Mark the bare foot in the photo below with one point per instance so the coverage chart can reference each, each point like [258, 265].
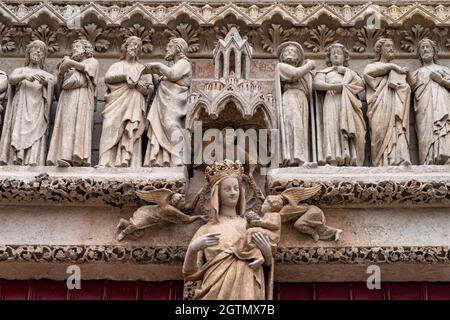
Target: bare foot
[338, 234]
[256, 263]
[121, 236]
[316, 237]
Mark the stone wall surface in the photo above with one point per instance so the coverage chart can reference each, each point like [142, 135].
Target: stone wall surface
[395, 217]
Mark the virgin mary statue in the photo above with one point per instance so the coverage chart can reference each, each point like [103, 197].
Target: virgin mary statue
[211, 256]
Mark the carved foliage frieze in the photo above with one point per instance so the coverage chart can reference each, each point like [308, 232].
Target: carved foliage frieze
[175, 254]
[45, 189]
[371, 193]
[266, 25]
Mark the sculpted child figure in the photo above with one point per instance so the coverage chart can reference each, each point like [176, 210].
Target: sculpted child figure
[269, 225]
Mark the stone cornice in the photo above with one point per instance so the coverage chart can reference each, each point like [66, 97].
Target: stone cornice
[201, 23]
[420, 186]
[84, 186]
[79, 254]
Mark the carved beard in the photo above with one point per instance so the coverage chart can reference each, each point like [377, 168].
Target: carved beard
[170, 56]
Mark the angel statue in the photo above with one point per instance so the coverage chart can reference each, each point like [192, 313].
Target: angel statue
[168, 208]
[310, 219]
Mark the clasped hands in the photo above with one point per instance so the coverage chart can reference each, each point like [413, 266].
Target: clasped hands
[36, 77]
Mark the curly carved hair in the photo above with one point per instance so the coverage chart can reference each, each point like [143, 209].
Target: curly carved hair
[433, 45]
[87, 46]
[378, 45]
[344, 51]
[35, 44]
[127, 42]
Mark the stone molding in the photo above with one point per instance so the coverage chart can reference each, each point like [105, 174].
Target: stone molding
[355, 187]
[85, 186]
[201, 24]
[175, 254]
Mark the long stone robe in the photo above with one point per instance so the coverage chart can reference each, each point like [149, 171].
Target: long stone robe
[340, 126]
[72, 135]
[388, 113]
[24, 134]
[3, 77]
[166, 119]
[432, 108]
[123, 119]
[223, 275]
[293, 102]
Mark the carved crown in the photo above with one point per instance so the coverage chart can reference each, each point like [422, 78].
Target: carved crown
[226, 168]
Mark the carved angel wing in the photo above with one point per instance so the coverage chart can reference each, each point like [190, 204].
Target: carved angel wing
[295, 195]
[160, 196]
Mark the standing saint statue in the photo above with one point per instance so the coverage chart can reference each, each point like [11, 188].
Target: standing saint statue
[431, 84]
[169, 107]
[71, 140]
[293, 86]
[388, 98]
[24, 134]
[341, 128]
[125, 107]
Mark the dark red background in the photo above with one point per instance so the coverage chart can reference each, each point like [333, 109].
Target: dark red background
[173, 290]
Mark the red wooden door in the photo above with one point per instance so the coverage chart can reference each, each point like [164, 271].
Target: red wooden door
[173, 290]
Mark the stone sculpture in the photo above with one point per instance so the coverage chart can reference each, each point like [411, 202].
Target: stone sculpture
[3, 86]
[24, 133]
[168, 111]
[388, 99]
[293, 86]
[431, 84]
[341, 127]
[213, 256]
[169, 208]
[310, 220]
[71, 140]
[129, 85]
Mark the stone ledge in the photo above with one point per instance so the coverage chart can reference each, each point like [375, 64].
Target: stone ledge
[421, 186]
[80, 186]
[78, 254]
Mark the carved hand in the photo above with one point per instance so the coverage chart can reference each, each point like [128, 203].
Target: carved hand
[436, 77]
[202, 242]
[153, 66]
[29, 77]
[311, 64]
[41, 79]
[131, 82]
[400, 69]
[263, 244]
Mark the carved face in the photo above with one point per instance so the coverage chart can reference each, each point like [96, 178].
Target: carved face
[337, 56]
[132, 49]
[171, 51]
[272, 204]
[37, 54]
[77, 51]
[426, 51]
[387, 50]
[229, 192]
[175, 200]
[291, 55]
